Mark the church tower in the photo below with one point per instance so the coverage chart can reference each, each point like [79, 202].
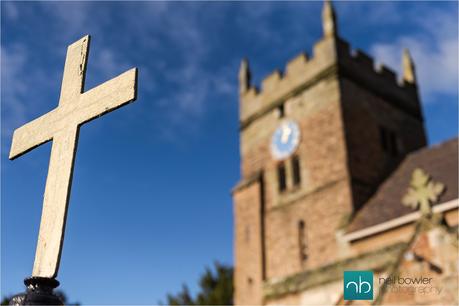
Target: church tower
[315, 142]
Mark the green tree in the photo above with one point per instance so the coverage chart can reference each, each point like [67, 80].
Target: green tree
[5, 300]
[215, 288]
[181, 298]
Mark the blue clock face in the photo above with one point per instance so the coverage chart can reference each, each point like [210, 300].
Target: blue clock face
[285, 140]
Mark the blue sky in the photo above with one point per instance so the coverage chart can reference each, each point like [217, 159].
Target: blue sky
[150, 204]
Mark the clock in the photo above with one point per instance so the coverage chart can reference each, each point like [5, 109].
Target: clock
[285, 139]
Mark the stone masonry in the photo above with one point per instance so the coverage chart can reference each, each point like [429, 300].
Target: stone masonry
[345, 108]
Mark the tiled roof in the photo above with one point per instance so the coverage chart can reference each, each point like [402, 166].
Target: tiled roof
[440, 162]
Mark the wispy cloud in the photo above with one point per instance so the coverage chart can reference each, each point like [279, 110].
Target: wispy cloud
[370, 13]
[13, 61]
[435, 52]
[71, 17]
[195, 89]
[175, 45]
[194, 85]
[25, 91]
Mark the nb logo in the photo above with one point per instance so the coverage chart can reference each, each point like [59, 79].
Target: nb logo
[358, 285]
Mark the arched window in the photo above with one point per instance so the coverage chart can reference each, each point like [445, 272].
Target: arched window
[296, 170]
[281, 111]
[281, 177]
[302, 242]
[390, 142]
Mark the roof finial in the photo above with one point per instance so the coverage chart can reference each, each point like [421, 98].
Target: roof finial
[244, 76]
[422, 192]
[409, 73]
[329, 20]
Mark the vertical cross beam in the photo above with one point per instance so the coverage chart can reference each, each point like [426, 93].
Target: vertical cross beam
[55, 203]
[61, 125]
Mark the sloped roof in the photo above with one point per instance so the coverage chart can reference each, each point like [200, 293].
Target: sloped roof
[440, 162]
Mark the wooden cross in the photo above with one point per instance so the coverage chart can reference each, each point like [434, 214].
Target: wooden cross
[62, 126]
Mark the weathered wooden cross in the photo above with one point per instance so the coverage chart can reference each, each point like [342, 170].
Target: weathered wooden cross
[62, 126]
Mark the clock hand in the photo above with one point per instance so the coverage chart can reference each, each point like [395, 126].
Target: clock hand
[286, 132]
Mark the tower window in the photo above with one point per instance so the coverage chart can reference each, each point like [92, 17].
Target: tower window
[296, 170]
[393, 143]
[302, 242]
[281, 111]
[389, 141]
[383, 138]
[281, 177]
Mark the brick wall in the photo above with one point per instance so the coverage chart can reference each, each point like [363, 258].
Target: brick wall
[339, 104]
[248, 275]
[365, 114]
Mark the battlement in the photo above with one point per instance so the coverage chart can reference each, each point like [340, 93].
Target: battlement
[299, 72]
[363, 59]
[271, 82]
[297, 64]
[387, 73]
[332, 56]
[379, 79]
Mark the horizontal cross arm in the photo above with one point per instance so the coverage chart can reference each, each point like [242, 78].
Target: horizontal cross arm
[93, 103]
[33, 134]
[108, 96]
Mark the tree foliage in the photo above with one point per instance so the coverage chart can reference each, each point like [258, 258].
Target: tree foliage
[215, 288]
[5, 300]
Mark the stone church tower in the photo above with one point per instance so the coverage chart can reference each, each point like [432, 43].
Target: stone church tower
[316, 142]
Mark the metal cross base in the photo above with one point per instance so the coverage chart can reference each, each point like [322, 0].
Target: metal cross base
[39, 292]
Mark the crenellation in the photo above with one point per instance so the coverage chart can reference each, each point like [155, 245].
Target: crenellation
[363, 59]
[252, 92]
[386, 73]
[300, 71]
[362, 63]
[327, 53]
[381, 80]
[250, 103]
[365, 64]
[325, 50]
[344, 49]
[271, 82]
[297, 64]
[331, 56]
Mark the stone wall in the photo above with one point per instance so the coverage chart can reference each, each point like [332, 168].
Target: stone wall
[339, 101]
[248, 253]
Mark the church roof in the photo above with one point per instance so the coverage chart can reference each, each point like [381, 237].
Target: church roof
[440, 162]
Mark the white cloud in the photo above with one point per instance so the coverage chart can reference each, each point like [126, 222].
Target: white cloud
[435, 52]
[164, 26]
[195, 87]
[107, 63]
[14, 87]
[71, 16]
[369, 12]
[24, 90]
[156, 26]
